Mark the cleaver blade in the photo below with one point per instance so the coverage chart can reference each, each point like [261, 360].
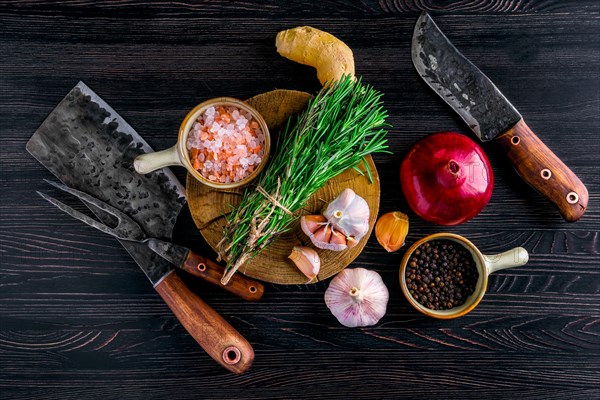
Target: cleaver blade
[89, 147]
[488, 113]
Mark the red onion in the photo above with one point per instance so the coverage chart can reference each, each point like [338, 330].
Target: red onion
[446, 178]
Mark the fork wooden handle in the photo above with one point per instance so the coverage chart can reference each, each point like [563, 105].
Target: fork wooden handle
[216, 336]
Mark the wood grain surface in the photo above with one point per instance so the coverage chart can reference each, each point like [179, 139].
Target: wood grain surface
[209, 206]
[78, 319]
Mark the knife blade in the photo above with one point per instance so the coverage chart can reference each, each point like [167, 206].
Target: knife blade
[88, 146]
[491, 116]
[206, 269]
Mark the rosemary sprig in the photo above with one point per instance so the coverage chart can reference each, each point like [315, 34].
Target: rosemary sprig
[342, 124]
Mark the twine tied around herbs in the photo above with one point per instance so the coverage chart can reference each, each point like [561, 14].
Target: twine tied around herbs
[272, 199]
[256, 230]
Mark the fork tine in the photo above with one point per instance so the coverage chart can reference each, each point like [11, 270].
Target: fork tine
[129, 229]
[82, 217]
[123, 218]
[90, 200]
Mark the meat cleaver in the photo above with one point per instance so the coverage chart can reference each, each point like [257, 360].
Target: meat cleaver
[491, 116]
[89, 147]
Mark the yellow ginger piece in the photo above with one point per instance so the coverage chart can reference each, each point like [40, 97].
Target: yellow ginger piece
[309, 46]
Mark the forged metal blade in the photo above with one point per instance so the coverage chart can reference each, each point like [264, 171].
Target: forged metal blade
[171, 252]
[460, 83]
[89, 147]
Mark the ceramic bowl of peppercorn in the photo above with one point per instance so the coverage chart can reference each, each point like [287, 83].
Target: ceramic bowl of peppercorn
[445, 275]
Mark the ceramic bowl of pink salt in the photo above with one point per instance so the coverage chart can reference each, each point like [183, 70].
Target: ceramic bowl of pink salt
[223, 142]
[227, 142]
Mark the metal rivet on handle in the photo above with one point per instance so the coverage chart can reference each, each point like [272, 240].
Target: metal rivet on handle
[232, 355]
[201, 267]
[546, 173]
[572, 198]
[515, 140]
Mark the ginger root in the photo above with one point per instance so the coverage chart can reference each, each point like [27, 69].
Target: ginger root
[309, 46]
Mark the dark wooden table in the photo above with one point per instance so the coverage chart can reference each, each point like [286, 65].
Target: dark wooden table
[78, 318]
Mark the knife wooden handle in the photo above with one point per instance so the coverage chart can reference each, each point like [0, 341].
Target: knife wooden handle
[216, 336]
[212, 272]
[542, 169]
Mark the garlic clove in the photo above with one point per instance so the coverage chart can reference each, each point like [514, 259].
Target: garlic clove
[357, 297]
[307, 260]
[323, 234]
[310, 223]
[349, 213]
[351, 242]
[337, 242]
[344, 199]
[324, 237]
[391, 230]
[337, 238]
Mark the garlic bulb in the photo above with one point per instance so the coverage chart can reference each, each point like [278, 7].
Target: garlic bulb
[307, 260]
[349, 213]
[344, 222]
[357, 297]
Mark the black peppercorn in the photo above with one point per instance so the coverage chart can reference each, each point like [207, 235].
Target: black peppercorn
[443, 273]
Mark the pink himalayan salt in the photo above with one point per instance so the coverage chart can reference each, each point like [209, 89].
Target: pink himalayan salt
[225, 144]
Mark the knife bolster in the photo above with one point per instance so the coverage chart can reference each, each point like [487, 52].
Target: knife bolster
[544, 171]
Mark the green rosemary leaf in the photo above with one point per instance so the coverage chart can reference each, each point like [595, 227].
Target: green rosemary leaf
[359, 171]
[342, 124]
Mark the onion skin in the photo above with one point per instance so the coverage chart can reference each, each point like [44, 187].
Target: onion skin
[446, 178]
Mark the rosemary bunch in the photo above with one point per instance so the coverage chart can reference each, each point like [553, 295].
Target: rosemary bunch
[342, 124]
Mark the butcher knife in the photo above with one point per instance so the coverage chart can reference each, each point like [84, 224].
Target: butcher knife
[492, 117]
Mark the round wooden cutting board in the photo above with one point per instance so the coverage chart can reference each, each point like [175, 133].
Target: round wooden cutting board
[208, 206]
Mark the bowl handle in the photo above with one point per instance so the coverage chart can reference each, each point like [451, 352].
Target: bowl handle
[508, 259]
[149, 162]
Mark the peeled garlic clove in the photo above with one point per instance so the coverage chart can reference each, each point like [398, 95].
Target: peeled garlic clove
[307, 260]
[310, 223]
[357, 297]
[391, 230]
[349, 213]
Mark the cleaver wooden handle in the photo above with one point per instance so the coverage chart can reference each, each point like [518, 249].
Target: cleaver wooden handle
[212, 272]
[216, 336]
[544, 171]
